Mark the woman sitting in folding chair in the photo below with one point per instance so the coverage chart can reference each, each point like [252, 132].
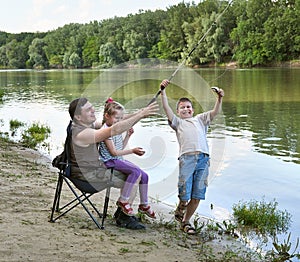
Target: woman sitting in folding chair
[84, 156]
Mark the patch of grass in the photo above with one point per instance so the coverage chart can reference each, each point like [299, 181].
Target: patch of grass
[124, 250]
[283, 251]
[148, 243]
[122, 242]
[261, 216]
[4, 136]
[203, 243]
[27, 222]
[1, 95]
[14, 124]
[34, 135]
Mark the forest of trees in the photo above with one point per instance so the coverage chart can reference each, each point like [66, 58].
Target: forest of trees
[250, 32]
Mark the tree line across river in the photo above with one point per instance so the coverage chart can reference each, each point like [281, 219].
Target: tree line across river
[249, 32]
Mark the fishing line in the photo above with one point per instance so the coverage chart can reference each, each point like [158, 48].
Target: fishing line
[220, 75]
[189, 54]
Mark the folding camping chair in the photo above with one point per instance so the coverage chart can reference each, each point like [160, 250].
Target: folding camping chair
[82, 190]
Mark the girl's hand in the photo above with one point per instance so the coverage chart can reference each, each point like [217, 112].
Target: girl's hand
[138, 151]
[130, 131]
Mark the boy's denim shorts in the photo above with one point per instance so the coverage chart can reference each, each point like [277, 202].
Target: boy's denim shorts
[193, 174]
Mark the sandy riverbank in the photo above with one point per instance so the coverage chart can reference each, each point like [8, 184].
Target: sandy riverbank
[27, 186]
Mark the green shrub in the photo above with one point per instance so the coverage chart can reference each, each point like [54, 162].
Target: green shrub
[1, 95]
[263, 217]
[283, 251]
[14, 125]
[35, 135]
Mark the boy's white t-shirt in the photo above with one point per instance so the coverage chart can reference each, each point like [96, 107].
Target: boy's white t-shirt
[191, 133]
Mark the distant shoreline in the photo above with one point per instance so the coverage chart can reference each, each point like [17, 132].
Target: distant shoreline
[231, 65]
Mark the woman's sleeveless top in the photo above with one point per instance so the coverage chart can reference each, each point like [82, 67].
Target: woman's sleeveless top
[84, 159]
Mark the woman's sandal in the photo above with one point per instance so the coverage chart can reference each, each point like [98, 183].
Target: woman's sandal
[147, 211]
[187, 228]
[126, 208]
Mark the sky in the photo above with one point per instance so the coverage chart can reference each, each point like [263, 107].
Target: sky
[18, 16]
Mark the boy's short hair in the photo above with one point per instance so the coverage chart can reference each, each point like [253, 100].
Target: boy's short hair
[183, 99]
[76, 105]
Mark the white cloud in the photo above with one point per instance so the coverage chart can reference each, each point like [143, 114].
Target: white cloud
[39, 6]
[43, 15]
[84, 9]
[61, 9]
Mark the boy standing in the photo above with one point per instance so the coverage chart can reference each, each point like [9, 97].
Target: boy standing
[191, 132]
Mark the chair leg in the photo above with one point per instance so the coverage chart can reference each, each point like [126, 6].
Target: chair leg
[61, 180]
[55, 206]
[78, 200]
[83, 205]
[71, 205]
[106, 199]
[87, 197]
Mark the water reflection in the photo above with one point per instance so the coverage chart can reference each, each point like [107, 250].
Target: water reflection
[263, 101]
[275, 130]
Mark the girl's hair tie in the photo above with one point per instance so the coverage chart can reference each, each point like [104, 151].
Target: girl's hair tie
[109, 100]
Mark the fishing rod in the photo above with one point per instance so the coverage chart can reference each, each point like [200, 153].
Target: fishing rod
[189, 54]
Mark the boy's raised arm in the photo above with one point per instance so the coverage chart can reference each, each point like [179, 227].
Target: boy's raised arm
[169, 112]
[218, 104]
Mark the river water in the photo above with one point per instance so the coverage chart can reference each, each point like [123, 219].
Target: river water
[254, 141]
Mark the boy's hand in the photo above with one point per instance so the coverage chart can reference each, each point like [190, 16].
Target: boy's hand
[164, 84]
[221, 93]
[218, 91]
